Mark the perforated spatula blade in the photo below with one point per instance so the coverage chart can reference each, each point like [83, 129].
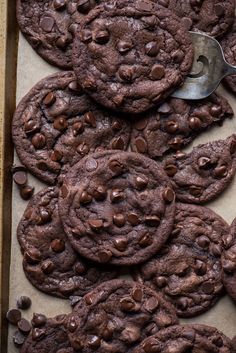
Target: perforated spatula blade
[209, 68]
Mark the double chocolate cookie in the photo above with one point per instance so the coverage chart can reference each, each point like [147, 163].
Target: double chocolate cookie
[176, 123]
[189, 338]
[229, 47]
[213, 17]
[117, 316]
[49, 26]
[188, 268]
[130, 55]
[48, 335]
[117, 207]
[56, 124]
[50, 263]
[229, 261]
[205, 172]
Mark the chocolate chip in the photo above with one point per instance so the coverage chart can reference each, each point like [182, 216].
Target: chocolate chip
[80, 268]
[218, 341]
[216, 249]
[116, 167]
[91, 164]
[160, 281]
[89, 118]
[171, 127]
[195, 191]
[47, 23]
[117, 195]
[30, 127]
[77, 128]
[62, 42]
[221, 172]
[24, 326]
[71, 324]
[38, 320]
[124, 46]
[118, 144]
[204, 162]
[18, 338]
[83, 6]
[143, 6]
[140, 124]
[137, 294]
[121, 243]
[100, 193]
[32, 256]
[60, 123]
[141, 145]
[85, 198]
[20, 177]
[168, 195]
[119, 220]
[152, 49]
[215, 110]
[118, 99]
[170, 170]
[13, 316]
[175, 143]
[101, 37]
[57, 245]
[47, 266]
[145, 240]
[189, 334]
[56, 156]
[133, 219]
[86, 36]
[151, 346]
[228, 266]
[200, 267]
[157, 72]
[42, 165]
[203, 241]
[90, 84]
[23, 303]
[116, 125]
[187, 22]
[38, 141]
[127, 304]
[59, 4]
[130, 334]
[152, 221]
[38, 333]
[177, 55]
[26, 192]
[96, 224]
[141, 182]
[49, 99]
[89, 299]
[151, 304]
[126, 73]
[83, 149]
[75, 87]
[219, 9]
[195, 123]
[94, 342]
[207, 287]
[104, 255]
[44, 216]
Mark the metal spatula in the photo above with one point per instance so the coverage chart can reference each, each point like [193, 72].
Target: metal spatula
[209, 68]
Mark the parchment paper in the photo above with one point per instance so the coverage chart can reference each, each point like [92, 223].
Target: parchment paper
[31, 68]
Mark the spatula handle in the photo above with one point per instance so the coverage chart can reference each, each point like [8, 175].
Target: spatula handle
[230, 69]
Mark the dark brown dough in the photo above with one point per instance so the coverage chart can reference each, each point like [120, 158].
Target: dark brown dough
[130, 55]
[176, 123]
[188, 269]
[117, 207]
[205, 172]
[117, 316]
[56, 124]
[50, 263]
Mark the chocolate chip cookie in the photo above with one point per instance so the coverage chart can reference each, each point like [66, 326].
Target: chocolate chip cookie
[130, 55]
[205, 172]
[116, 316]
[117, 207]
[176, 123]
[228, 43]
[50, 263]
[48, 335]
[49, 26]
[187, 338]
[213, 17]
[229, 261]
[188, 268]
[56, 124]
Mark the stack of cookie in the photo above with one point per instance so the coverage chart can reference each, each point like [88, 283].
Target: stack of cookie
[123, 196]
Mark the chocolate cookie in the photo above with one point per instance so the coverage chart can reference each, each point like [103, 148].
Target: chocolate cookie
[56, 124]
[50, 263]
[213, 17]
[51, 336]
[116, 316]
[49, 26]
[130, 55]
[188, 269]
[229, 261]
[187, 338]
[117, 207]
[176, 123]
[205, 172]
[228, 43]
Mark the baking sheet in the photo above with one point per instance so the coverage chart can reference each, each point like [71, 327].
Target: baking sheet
[31, 68]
